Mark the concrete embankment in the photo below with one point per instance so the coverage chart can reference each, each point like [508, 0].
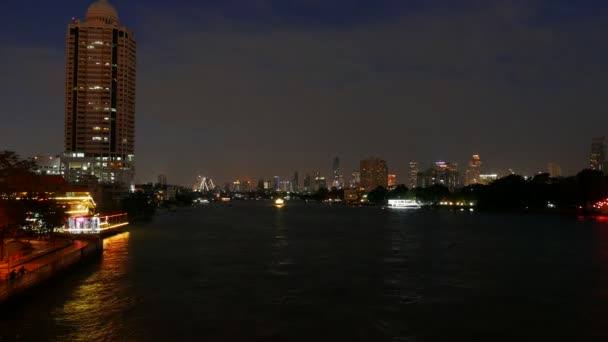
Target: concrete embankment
[43, 268]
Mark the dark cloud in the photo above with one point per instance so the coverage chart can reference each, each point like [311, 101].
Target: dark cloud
[252, 89]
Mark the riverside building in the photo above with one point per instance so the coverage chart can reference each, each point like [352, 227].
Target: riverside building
[374, 173]
[100, 100]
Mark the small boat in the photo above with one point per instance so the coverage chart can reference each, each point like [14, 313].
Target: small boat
[403, 204]
[279, 202]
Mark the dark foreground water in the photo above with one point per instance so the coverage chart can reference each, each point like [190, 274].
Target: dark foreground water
[252, 272]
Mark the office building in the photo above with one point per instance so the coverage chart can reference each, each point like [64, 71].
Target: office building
[374, 173]
[597, 156]
[100, 99]
[413, 175]
[338, 178]
[441, 173]
[392, 180]
[355, 180]
[48, 165]
[472, 173]
[554, 170]
[307, 183]
[295, 182]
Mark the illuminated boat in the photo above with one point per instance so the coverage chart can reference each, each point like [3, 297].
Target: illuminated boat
[96, 224]
[279, 202]
[403, 204]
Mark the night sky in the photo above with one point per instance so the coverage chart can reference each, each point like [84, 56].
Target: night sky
[256, 88]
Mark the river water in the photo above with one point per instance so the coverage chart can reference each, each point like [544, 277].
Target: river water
[307, 272]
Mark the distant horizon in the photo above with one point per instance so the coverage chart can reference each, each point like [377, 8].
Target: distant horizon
[253, 88]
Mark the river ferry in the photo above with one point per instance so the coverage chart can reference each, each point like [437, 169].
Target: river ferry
[403, 204]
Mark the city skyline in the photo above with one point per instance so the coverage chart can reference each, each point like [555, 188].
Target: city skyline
[330, 74]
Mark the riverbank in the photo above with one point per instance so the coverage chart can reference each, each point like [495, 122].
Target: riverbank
[32, 272]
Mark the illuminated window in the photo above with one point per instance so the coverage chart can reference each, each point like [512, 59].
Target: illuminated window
[97, 138]
[97, 128]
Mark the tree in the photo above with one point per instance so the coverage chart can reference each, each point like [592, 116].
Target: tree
[12, 211]
[321, 194]
[510, 192]
[592, 186]
[378, 195]
[336, 194]
[46, 215]
[432, 194]
[11, 164]
[399, 192]
[138, 205]
[13, 216]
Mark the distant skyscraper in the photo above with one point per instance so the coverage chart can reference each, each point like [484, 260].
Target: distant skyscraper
[307, 183]
[413, 175]
[598, 153]
[554, 170]
[276, 183]
[392, 180]
[100, 98]
[338, 179]
[442, 173]
[295, 183]
[355, 181]
[320, 183]
[374, 173]
[473, 171]
[162, 180]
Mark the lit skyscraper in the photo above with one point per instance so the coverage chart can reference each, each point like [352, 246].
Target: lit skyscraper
[441, 173]
[355, 181]
[374, 173]
[295, 183]
[100, 98]
[307, 183]
[474, 170]
[338, 179]
[392, 180]
[413, 176]
[554, 170]
[597, 155]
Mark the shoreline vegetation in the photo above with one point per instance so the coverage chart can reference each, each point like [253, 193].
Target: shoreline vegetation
[584, 194]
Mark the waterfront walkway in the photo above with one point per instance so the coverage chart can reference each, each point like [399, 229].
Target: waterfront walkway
[41, 258]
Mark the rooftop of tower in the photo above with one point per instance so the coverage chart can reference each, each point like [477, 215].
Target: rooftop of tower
[102, 10]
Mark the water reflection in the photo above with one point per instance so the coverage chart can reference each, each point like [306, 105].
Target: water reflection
[90, 313]
[280, 244]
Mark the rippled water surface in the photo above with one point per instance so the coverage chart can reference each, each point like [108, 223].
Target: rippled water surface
[252, 272]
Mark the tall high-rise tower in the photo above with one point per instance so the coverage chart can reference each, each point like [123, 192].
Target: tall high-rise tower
[597, 154]
[413, 175]
[473, 172]
[374, 173]
[100, 98]
[338, 179]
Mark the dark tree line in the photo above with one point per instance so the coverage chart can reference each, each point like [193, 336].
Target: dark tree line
[515, 192]
[24, 214]
[512, 192]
